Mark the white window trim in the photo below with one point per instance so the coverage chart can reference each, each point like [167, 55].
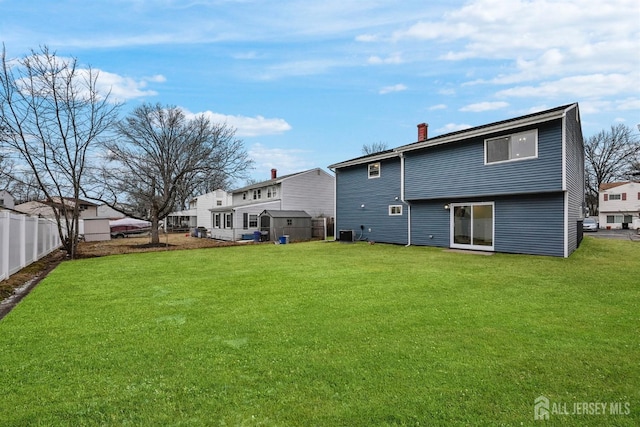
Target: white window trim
[511, 136]
[369, 170]
[470, 246]
[391, 213]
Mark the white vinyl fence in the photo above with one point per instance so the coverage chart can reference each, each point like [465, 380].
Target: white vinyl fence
[24, 240]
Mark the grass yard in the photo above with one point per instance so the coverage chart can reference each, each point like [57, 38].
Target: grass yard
[327, 334]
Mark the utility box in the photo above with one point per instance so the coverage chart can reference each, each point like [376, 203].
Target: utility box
[345, 236]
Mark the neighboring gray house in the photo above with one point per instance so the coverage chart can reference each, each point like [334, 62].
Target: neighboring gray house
[511, 186]
[312, 191]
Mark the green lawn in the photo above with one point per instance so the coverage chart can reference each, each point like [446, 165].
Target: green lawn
[326, 334]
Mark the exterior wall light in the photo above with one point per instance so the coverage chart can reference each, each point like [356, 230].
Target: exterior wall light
[446, 207]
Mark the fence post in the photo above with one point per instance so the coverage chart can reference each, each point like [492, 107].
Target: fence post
[22, 229]
[35, 239]
[5, 221]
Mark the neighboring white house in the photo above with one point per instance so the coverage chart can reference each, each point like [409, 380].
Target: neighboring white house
[311, 191]
[6, 200]
[199, 214]
[45, 209]
[106, 211]
[619, 205]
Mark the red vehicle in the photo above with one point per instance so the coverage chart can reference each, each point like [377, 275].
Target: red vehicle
[128, 226]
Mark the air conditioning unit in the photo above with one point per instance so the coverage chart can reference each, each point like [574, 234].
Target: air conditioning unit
[346, 236]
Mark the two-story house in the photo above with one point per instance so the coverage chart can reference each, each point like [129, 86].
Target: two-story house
[199, 212]
[512, 186]
[619, 205]
[311, 191]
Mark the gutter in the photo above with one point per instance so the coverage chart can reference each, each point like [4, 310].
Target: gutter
[402, 187]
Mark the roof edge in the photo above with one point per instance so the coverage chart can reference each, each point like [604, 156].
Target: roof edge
[504, 125]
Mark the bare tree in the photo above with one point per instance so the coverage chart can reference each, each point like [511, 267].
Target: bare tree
[609, 156]
[373, 148]
[161, 154]
[51, 115]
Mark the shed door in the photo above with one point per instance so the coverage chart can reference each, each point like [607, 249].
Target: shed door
[264, 222]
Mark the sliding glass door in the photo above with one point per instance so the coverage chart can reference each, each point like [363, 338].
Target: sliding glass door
[472, 226]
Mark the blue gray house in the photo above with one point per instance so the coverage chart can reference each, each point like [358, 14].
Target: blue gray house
[512, 186]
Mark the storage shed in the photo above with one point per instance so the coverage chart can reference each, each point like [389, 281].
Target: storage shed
[295, 224]
[95, 229]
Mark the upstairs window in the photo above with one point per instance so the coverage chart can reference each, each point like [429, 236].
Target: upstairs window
[374, 170]
[513, 147]
[615, 197]
[218, 202]
[244, 196]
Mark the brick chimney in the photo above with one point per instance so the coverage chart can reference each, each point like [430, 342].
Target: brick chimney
[274, 173]
[422, 132]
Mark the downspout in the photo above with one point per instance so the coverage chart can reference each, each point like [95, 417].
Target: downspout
[335, 204]
[404, 201]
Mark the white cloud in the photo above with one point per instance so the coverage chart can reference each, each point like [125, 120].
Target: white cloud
[438, 107]
[124, 88]
[119, 88]
[394, 88]
[248, 126]
[298, 68]
[452, 127]
[577, 87]
[582, 49]
[367, 38]
[485, 106]
[395, 58]
[284, 160]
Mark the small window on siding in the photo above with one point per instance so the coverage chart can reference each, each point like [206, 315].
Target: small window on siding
[289, 221]
[374, 170]
[615, 197]
[513, 147]
[218, 202]
[395, 209]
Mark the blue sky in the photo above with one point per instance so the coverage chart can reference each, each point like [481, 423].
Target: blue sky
[306, 84]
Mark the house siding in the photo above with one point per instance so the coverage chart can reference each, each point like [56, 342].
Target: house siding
[430, 223]
[529, 224]
[312, 192]
[458, 169]
[574, 178]
[355, 189]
